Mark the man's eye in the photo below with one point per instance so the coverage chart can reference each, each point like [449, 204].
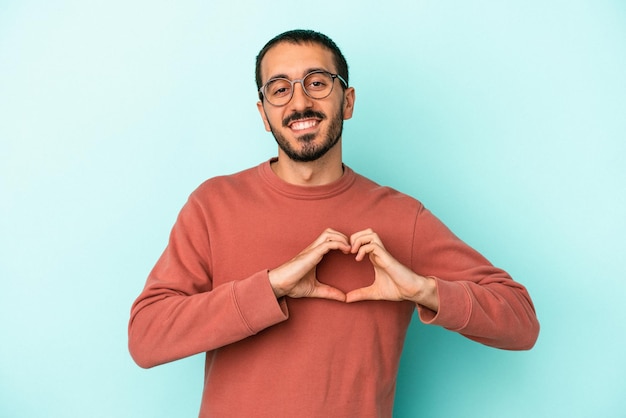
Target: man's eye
[317, 82]
[281, 91]
[279, 88]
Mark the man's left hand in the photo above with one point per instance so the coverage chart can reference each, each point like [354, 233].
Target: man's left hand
[392, 280]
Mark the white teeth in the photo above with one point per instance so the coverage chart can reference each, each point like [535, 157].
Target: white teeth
[303, 125]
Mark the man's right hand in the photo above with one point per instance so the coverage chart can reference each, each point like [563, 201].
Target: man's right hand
[297, 278]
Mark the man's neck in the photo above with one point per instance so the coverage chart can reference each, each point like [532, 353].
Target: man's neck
[325, 170]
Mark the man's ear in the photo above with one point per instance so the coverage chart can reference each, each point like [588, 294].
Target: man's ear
[259, 106]
[348, 103]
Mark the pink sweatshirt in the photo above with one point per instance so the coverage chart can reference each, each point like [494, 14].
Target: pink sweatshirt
[209, 292]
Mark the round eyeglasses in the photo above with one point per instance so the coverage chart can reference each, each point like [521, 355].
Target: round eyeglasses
[316, 84]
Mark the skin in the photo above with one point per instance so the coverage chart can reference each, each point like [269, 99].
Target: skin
[293, 62]
[297, 277]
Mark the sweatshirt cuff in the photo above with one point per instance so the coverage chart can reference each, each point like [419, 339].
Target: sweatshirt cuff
[455, 306]
[256, 303]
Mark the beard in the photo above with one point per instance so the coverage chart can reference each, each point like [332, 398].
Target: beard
[308, 150]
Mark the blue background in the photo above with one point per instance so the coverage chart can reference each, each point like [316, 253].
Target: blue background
[507, 119]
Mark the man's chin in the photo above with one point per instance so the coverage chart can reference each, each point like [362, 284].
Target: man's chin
[306, 154]
[306, 147]
[306, 138]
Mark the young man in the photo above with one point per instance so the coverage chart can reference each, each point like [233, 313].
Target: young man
[299, 277]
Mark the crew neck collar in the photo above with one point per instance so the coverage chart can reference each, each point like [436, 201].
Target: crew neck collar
[305, 192]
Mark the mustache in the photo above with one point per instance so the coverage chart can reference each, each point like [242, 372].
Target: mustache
[307, 114]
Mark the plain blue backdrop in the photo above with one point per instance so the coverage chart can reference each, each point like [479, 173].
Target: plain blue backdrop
[507, 119]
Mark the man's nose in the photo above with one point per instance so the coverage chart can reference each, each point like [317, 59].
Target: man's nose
[300, 100]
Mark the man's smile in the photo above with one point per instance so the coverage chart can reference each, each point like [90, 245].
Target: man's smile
[301, 122]
[303, 125]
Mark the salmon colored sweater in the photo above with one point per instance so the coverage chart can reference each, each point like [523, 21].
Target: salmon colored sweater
[209, 292]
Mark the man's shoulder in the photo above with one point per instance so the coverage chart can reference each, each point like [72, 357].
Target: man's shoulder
[385, 194]
[375, 187]
[234, 181]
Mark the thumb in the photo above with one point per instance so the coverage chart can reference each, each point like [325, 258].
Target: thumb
[324, 291]
[363, 293]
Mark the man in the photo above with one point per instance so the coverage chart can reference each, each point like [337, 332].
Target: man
[299, 277]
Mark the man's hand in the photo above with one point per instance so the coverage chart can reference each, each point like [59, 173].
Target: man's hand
[297, 278]
[392, 280]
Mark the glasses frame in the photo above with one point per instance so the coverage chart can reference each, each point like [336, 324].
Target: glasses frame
[262, 94]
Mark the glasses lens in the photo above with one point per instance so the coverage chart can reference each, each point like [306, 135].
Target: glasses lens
[278, 91]
[318, 85]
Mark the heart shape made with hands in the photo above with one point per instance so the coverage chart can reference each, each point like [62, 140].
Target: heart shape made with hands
[382, 278]
[334, 267]
[343, 272]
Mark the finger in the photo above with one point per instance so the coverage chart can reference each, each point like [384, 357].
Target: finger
[364, 237]
[335, 232]
[309, 258]
[378, 256]
[360, 234]
[373, 249]
[330, 235]
[364, 293]
[362, 251]
[329, 245]
[325, 291]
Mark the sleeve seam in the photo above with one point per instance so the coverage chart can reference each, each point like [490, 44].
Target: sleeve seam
[468, 313]
[239, 311]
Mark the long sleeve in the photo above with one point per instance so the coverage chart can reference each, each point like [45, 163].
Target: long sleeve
[476, 299]
[180, 312]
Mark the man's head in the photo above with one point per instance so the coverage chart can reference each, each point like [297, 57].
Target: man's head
[306, 111]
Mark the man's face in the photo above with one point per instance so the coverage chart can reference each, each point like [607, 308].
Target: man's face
[305, 128]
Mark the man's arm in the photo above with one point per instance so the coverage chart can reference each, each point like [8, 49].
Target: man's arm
[180, 313]
[462, 291]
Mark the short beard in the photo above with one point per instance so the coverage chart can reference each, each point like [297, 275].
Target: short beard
[310, 151]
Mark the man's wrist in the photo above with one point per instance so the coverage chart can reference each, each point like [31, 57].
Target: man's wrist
[428, 295]
[279, 292]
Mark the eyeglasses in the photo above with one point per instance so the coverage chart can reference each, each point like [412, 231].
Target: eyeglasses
[316, 84]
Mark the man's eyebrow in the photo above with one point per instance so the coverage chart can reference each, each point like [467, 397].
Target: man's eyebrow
[307, 71]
